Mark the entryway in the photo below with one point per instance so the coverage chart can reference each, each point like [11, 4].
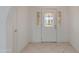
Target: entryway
[46, 32]
[45, 25]
[39, 29]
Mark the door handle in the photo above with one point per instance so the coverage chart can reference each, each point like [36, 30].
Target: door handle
[55, 26]
[15, 30]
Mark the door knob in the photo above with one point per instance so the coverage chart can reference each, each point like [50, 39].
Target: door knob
[15, 30]
[55, 26]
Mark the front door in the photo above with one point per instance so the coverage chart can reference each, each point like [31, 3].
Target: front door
[48, 25]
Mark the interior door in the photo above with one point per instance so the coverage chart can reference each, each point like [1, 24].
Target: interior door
[11, 30]
[15, 30]
[48, 27]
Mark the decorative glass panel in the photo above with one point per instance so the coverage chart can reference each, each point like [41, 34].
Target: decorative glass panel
[48, 19]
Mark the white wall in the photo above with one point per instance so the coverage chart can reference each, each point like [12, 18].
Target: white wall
[3, 37]
[74, 31]
[63, 31]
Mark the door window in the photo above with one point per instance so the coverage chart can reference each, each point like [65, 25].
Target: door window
[48, 19]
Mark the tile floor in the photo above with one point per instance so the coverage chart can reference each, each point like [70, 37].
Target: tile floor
[49, 48]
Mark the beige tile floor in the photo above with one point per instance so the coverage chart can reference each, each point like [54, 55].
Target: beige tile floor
[49, 48]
